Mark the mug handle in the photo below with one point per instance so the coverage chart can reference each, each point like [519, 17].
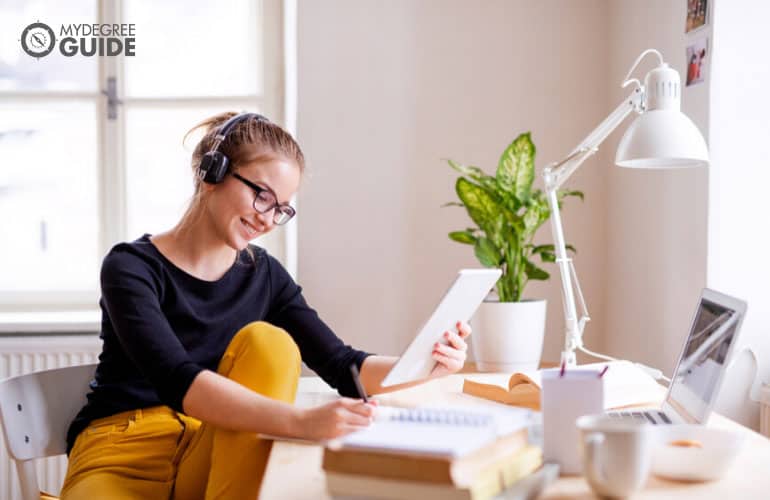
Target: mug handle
[593, 468]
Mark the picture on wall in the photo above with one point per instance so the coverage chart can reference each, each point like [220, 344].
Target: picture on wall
[696, 14]
[697, 56]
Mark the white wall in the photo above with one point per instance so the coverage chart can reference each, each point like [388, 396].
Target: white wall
[739, 177]
[670, 233]
[387, 89]
[656, 220]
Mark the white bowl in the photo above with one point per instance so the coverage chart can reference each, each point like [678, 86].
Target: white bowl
[707, 462]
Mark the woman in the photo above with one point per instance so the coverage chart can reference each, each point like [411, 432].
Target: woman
[204, 336]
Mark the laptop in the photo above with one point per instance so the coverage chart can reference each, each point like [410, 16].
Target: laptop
[702, 364]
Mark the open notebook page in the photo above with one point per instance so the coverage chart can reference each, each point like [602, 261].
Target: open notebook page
[447, 432]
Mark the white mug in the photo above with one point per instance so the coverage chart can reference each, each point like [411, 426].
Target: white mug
[616, 454]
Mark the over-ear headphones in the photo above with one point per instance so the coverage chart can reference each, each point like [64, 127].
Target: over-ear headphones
[214, 164]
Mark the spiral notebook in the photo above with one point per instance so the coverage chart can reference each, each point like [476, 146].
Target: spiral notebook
[444, 432]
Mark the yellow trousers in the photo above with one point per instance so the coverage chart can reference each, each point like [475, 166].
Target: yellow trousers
[159, 453]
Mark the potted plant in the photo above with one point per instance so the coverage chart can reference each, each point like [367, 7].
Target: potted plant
[508, 331]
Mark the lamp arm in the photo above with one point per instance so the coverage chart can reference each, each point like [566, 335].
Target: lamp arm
[554, 176]
[560, 171]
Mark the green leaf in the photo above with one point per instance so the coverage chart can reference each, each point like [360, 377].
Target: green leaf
[551, 248]
[509, 200]
[474, 173]
[516, 168]
[534, 272]
[482, 208]
[487, 253]
[508, 212]
[532, 220]
[547, 256]
[462, 237]
[547, 253]
[497, 231]
[516, 224]
[564, 193]
[477, 175]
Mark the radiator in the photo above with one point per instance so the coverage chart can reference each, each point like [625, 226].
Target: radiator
[20, 355]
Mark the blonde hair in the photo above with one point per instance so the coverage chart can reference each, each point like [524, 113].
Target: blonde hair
[251, 139]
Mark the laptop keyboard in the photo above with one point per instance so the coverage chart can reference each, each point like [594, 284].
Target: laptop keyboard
[653, 417]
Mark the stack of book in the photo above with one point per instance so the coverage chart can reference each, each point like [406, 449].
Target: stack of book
[429, 457]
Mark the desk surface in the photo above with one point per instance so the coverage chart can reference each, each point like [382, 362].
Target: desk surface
[294, 470]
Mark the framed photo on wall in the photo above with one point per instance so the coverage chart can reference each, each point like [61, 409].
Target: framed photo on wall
[697, 13]
[697, 58]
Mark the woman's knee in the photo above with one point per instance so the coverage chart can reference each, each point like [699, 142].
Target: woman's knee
[267, 345]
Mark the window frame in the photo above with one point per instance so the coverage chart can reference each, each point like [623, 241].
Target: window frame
[111, 139]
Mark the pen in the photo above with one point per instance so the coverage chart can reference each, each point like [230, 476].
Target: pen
[357, 381]
[604, 370]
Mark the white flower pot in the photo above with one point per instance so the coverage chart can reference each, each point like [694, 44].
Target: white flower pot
[508, 336]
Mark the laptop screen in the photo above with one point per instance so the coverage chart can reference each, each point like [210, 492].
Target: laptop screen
[702, 363]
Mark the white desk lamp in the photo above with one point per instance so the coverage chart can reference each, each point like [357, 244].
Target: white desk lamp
[660, 137]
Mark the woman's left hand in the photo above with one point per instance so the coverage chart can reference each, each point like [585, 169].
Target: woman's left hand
[451, 357]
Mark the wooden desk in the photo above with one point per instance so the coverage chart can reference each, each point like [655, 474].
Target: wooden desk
[294, 470]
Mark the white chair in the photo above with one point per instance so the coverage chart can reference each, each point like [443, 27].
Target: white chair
[35, 411]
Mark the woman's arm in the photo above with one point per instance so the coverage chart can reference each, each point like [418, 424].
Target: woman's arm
[224, 403]
[329, 357]
[321, 349]
[450, 359]
[131, 294]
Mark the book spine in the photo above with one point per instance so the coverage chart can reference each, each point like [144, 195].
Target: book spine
[423, 468]
[351, 486]
[496, 479]
[388, 466]
[485, 487]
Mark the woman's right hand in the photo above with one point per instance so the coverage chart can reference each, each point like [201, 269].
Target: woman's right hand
[334, 419]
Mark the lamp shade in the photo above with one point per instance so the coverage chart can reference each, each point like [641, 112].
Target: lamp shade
[664, 138]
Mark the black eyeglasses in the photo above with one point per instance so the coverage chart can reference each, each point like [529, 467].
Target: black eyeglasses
[265, 200]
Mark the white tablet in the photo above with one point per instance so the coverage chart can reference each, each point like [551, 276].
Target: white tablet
[459, 303]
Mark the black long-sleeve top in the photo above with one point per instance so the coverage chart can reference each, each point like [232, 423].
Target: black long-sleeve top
[161, 327]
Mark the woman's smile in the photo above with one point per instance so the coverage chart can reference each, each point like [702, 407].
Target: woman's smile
[251, 230]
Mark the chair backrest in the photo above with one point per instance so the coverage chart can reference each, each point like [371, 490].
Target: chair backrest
[36, 409]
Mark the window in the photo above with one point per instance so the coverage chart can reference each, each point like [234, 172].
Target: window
[92, 146]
